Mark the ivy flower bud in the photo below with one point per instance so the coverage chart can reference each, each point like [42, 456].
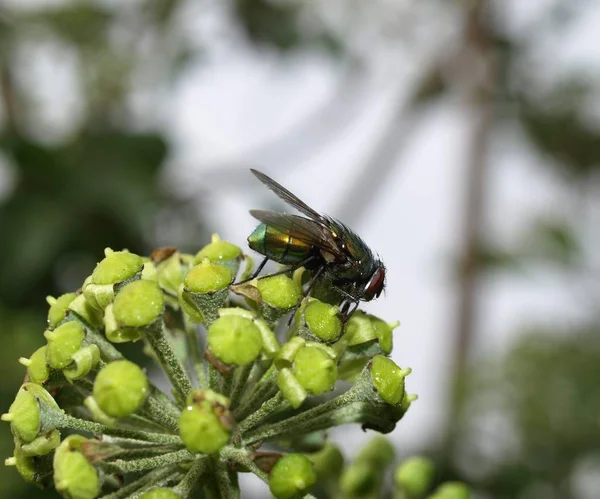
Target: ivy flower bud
[114, 332]
[279, 294]
[359, 329]
[117, 266]
[360, 479]
[85, 311]
[58, 308]
[205, 424]
[315, 369]
[388, 379]
[205, 290]
[452, 490]
[74, 476]
[415, 476]
[221, 252]
[286, 355]
[207, 277]
[63, 343]
[322, 322]
[25, 465]
[84, 360]
[24, 413]
[170, 272]
[234, 339]
[291, 477]
[328, 462]
[138, 304]
[160, 493]
[290, 387]
[98, 295]
[42, 445]
[120, 388]
[37, 366]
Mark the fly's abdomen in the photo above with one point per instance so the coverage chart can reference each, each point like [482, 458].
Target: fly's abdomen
[278, 246]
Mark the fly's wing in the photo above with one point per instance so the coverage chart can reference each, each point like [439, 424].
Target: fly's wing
[288, 197]
[301, 228]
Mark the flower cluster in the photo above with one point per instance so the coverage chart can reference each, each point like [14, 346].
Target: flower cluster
[91, 423]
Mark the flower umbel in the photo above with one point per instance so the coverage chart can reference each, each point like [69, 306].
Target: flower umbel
[242, 381]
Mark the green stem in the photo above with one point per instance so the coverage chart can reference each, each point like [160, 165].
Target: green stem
[157, 412]
[263, 391]
[273, 405]
[149, 478]
[240, 382]
[61, 420]
[199, 364]
[190, 481]
[167, 358]
[243, 458]
[147, 463]
[227, 481]
[325, 415]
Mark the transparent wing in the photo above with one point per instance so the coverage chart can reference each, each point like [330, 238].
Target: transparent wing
[288, 197]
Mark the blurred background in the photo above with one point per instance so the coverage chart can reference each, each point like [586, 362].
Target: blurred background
[461, 139]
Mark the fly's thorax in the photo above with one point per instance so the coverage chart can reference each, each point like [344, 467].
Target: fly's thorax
[278, 245]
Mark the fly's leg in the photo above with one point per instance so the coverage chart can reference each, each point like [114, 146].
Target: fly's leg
[279, 272]
[256, 272]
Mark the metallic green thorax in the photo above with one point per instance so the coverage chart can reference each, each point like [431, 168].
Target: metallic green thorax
[278, 245]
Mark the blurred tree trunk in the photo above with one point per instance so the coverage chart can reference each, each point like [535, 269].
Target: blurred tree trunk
[477, 62]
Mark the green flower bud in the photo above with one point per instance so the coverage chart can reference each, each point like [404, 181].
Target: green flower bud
[388, 379]
[37, 366]
[98, 414]
[120, 388]
[138, 304]
[287, 353]
[170, 272]
[328, 462]
[116, 333]
[384, 332]
[74, 476]
[207, 277]
[359, 329]
[84, 360]
[188, 305]
[24, 413]
[116, 267]
[84, 310]
[291, 477]
[205, 424]
[205, 291]
[221, 252]
[452, 490]
[161, 493]
[58, 308]
[279, 291]
[98, 295]
[234, 340]
[415, 476]
[360, 479]
[323, 321]
[63, 343]
[42, 445]
[315, 369]
[378, 450]
[269, 341]
[290, 387]
[25, 465]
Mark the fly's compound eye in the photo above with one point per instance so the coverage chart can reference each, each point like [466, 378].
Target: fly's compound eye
[375, 285]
